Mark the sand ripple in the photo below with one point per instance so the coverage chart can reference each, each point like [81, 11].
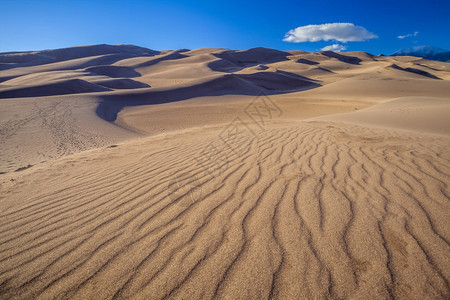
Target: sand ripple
[301, 210]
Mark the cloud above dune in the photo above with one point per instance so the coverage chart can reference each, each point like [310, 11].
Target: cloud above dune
[341, 32]
[334, 47]
[415, 33]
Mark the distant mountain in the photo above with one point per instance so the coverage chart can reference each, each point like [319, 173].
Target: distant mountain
[428, 52]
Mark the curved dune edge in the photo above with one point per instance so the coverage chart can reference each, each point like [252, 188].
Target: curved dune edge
[299, 210]
[419, 114]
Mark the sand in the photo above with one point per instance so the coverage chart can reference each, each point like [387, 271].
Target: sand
[165, 183]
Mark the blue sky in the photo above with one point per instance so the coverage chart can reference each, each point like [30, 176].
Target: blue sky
[234, 24]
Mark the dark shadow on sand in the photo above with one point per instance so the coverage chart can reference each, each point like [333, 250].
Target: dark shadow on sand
[344, 58]
[416, 71]
[232, 60]
[270, 83]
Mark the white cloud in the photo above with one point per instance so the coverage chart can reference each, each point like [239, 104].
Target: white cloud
[408, 35]
[341, 32]
[334, 47]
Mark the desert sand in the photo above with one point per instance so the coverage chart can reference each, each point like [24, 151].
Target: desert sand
[229, 174]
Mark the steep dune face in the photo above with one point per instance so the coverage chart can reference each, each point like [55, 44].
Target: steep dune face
[236, 60]
[228, 174]
[72, 86]
[414, 70]
[38, 78]
[121, 83]
[114, 71]
[343, 58]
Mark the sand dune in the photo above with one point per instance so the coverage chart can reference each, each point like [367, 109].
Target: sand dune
[419, 114]
[121, 83]
[47, 56]
[229, 84]
[71, 86]
[382, 88]
[414, 70]
[38, 78]
[114, 71]
[185, 182]
[185, 68]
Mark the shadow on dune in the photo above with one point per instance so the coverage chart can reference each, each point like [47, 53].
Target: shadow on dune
[416, 71]
[65, 87]
[324, 69]
[107, 59]
[172, 56]
[344, 58]
[270, 83]
[122, 83]
[307, 61]
[232, 60]
[6, 78]
[114, 71]
[297, 75]
[57, 55]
